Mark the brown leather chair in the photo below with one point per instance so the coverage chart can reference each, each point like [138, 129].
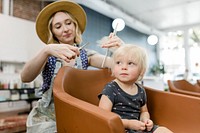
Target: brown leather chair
[178, 112]
[183, 87]
[198, 83]
[76, 102]
[76, 105]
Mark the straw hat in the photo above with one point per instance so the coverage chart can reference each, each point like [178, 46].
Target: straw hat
[63, 5]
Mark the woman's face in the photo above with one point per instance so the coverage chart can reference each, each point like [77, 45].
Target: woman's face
[63, 28]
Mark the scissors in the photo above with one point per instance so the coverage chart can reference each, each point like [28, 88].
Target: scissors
[83, 46]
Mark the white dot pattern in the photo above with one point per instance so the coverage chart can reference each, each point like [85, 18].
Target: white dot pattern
[50, 66]
[126, 105]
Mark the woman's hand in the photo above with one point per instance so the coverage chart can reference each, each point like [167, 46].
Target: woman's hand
[65, 52]
[112, 41]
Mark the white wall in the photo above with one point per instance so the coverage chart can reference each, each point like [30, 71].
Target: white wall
[18, 43]
[18, 39]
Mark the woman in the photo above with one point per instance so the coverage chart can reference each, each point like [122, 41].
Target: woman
[59, 25]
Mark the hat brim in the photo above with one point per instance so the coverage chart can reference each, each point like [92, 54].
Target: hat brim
[71, 7]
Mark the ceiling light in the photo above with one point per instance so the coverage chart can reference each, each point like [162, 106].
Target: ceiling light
[118, 24]
[152, 39]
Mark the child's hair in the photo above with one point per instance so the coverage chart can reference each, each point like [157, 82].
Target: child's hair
[134, 53]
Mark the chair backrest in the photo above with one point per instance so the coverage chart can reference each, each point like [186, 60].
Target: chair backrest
[76, 98]
[86, 85]
[183, 87]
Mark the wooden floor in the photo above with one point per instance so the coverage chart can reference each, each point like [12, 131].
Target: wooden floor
[13, 113]
[13, 121]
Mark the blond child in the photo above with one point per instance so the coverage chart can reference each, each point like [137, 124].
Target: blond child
[124, 95]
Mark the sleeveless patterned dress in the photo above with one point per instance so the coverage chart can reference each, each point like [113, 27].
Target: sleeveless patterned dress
[42, 119]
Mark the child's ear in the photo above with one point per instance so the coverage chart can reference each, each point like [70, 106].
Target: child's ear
[141, 75]
[112, 73]
[112, 67]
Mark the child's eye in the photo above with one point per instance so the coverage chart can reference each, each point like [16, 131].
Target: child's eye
[118, 62]
[131, 63]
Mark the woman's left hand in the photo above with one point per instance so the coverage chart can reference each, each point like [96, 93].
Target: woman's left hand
[112, 41]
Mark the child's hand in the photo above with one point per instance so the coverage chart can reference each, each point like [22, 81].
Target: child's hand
[148, 124]
[136, 125]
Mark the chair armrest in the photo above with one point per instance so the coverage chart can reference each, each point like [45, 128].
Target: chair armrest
[77, 116]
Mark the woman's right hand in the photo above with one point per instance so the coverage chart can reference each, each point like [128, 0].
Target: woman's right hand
[65, 52]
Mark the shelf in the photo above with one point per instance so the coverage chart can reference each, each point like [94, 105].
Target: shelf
[22, 94]
[28, 100]
[18, 89]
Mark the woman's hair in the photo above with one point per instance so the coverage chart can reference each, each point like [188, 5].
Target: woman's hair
[134, 53]
[53, 39]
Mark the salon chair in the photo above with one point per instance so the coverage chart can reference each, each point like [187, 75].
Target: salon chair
[198, 83]
[183, 87]
[76, 105]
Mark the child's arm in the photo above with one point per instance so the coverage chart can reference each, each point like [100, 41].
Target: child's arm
[105, 103]
[144, 113]
[145, 117]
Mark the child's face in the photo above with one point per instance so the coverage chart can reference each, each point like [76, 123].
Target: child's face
[126, 70]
